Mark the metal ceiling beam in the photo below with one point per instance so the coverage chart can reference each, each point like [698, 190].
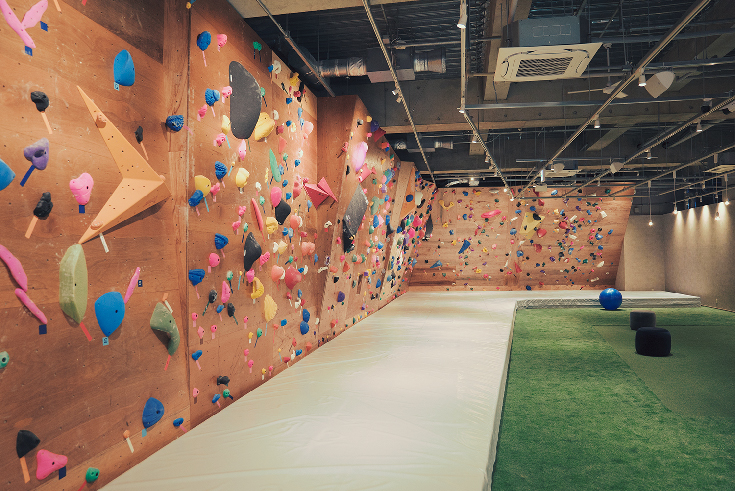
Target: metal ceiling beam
[366, 4]
[658, 140]
[687, 186]
[669, 171]
[693, 11]
[298, 51]
[584, 103]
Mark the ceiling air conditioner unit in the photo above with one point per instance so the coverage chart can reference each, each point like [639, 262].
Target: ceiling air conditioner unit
[544, 49]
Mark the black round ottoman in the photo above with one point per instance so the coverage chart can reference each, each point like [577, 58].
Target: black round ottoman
[653, 341]
[642, 318]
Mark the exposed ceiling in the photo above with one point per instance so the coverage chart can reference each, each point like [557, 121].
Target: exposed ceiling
[524, 124]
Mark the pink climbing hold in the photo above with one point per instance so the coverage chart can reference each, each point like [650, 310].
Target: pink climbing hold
[242, 150]
[277, 273]
[307, 248]
[226, 292]
[16, 269]
[30, 305]
[221, 41]
[47, 463]
[250, 275]
[293, 277]
[276, 195]
[490, 214]
[358, 156]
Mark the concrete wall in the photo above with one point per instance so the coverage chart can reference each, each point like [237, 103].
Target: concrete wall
[642, 259]
[697, 251]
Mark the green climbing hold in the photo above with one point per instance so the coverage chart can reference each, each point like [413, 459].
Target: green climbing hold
[73, 282]
[162, 320]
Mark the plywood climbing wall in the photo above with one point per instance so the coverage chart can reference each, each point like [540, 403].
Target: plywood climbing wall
[77, 395]
[223, 352]
[484, 241]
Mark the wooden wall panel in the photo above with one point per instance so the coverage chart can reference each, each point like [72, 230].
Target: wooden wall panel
[490, 261]
[223, 356]
[79, 396]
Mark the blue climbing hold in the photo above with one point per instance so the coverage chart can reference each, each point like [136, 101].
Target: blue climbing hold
[437, 264]
[203, 40]
[110, 310]
[178, 422]
[6, 175]
[306, 315]
[196, 198]
[211, 96]
[304, 327]
[175, 122]
[220, 169]
[152, 412]
[465, 246]
[124, 69]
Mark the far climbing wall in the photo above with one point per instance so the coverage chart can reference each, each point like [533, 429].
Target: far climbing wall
[362, 279]
[484, 241]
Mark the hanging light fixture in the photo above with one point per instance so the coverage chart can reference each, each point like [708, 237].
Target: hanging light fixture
[648, 154]
[597, 122]
[717, 215]
[675, 210]
[727, 198]
[642, 80]
[650, 221]
[462, 22]
[699, 127]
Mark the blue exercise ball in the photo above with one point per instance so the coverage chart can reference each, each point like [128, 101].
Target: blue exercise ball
[611, 299]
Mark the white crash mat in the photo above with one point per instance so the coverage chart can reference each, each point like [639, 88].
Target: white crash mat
[408, 399]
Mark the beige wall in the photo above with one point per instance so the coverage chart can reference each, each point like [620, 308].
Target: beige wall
[698, 250]
[642, 259]
[684, 253]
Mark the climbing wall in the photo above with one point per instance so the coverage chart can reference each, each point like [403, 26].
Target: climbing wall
[109, 391]
[223, 338]
[362, 166]
[484, 241]
[79, 395]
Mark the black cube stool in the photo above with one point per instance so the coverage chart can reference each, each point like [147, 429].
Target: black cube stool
[653, 341]
[642, 318]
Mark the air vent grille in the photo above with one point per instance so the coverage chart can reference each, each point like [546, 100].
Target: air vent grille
[543, 67]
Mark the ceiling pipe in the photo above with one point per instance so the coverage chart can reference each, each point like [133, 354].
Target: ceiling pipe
[669, 171]
[463, 101]
[582, 103]
[658, 140]
[297, 50]
[366, 4]
[692, 135]
[693, 11]
[687, 186]
[653, 39]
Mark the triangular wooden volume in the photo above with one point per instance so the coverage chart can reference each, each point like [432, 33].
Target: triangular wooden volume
[141, 186]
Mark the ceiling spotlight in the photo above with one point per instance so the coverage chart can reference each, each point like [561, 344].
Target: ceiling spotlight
[706, 105]
[716, 158]
[675, 210]
[648, 154]
[462, 22]
[505, 190]
[597, 122]
[650, 223]
[699, 127]
[642, 80]
[461, 110]
[398, 99]
[395, 91]
[474, 138]
[487, 159]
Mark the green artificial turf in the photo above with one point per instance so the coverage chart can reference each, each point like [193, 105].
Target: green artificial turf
[577, 416]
